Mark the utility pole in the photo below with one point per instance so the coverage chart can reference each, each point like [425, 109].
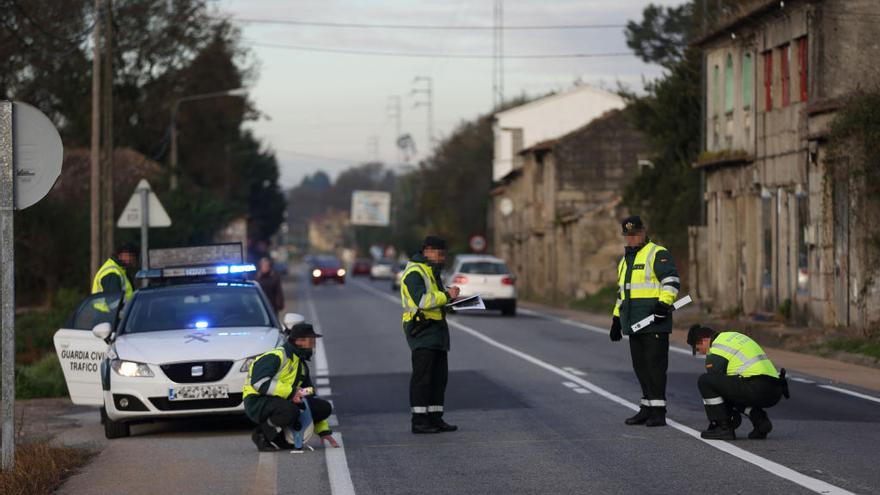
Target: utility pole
[95, 155]
[498, 55]
[107, 220]
[394, 112]
[424, 85]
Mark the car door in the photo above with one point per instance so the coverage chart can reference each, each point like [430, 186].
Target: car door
[80, 352]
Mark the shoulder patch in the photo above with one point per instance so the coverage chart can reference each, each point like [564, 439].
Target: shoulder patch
[709, 365]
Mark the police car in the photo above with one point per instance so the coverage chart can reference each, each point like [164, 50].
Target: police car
[181, 346]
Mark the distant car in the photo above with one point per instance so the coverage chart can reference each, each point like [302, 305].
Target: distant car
[361, 267]
[397, 279]
[327, 268]
[487, 276]
[382, 269]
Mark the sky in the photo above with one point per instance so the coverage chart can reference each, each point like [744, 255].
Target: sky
[328, 111]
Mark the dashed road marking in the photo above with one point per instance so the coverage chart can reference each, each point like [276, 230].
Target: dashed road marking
[325, 391]
[574, 371]
[800, 380]
[322, 381]
[581, 390]
[570, 384]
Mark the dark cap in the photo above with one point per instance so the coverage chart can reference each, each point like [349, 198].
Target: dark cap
[301, 331]
[433, 241]
[128, 247]
[698, 332]
[632, 225]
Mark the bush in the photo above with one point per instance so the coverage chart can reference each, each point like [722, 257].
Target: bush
[40, 468]
[43, 378]
[602, 301]
[34, 331]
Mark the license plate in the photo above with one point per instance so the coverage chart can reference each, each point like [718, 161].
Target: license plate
[195, 392]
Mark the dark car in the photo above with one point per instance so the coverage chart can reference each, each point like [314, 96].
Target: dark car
[361, 267]
[327, 268]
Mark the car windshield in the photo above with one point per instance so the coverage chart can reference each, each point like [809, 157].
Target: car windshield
[385, 262]
[188, 307]
[484, 268]
[328, 263]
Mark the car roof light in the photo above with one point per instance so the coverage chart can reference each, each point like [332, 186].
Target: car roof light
[201, 324]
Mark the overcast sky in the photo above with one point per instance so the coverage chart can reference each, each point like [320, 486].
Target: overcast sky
[325, 110]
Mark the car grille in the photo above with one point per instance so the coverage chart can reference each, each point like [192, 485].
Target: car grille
[163, 404]
[212, 371]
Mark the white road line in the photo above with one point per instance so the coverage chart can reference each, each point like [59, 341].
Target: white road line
[266, 482]
[772, 467]
[801, 380]
[325, 391]
[322, 381]
[850, 392]
[574, 371]
[581, 390]
[337, 464]
[570, 384]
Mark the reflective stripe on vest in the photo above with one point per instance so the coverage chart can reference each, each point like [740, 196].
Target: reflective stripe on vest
[282, 383]
[111, 267]
[429, 303]
[744, 356]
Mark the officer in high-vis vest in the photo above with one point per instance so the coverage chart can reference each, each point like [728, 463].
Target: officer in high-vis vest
[111, 277]
[424, 324]
[277, 384]
[648, 284]
[739, 378]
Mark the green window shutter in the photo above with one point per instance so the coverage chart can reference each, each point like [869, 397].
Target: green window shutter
[748, 83]
[716, 90]
[728, 85]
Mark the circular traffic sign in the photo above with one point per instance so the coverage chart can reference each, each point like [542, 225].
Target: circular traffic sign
[477, 243]
[37, 153]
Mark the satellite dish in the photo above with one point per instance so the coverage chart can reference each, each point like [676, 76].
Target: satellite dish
[506, 206]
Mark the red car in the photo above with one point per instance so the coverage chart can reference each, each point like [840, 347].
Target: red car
[361, 267]
[327, 268]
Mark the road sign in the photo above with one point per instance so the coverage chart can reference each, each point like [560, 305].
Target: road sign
[371, 208]
[37, 152]
[477, 243]
[131, 216]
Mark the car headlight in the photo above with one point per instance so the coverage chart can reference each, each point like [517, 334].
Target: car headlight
[246, 366]
[130, 368]
[316, 273]
[340, 272]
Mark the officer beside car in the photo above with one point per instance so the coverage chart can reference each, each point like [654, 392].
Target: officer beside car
[278, 385]
[739, 378]
[648, 284]
[112, 277]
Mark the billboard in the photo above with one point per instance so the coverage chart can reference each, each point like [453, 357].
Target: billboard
[371, 208]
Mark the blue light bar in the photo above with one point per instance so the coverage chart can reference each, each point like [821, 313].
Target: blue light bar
[201, 324]
[196, 271]
[242, 268]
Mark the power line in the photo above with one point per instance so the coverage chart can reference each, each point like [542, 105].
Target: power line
[346, 51]
[357, 25]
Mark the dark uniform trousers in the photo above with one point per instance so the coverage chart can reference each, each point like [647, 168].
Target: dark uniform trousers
[427, 387]
[650, 358]
[738, 393]
[278, 412]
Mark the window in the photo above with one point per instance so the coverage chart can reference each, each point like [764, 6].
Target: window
[767, 231]
[188, 307]
[785, 70]
[768, 81]
[716, 90]
[803, 216]
[747, 81]
[728, 85]
[802, 67]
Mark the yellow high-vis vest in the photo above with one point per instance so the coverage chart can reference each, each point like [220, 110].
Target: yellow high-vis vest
[431, 304]
[644, 283]
[111, 267]
[285, 381]
[744, 356]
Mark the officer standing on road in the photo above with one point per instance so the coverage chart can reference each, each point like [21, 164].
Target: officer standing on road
[424, 323]
[277, 384]
[648, 283]
[739, 378]
[270, 282]
[112, 277]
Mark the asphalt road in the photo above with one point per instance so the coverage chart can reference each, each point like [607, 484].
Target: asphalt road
[540, 404]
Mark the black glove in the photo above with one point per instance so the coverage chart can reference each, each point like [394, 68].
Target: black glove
[615, 330]
[661, 311]
[420, 324]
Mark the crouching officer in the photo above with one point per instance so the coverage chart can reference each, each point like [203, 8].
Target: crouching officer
[739, 378]
[277, 384]
[424, 323]
[648, 283]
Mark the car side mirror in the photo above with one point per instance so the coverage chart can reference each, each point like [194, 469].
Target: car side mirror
[291, 319]
[102, 330]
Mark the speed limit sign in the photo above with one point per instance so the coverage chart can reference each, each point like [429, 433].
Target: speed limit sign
[477, 243]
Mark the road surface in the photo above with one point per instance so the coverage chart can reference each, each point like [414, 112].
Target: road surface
[540, 403]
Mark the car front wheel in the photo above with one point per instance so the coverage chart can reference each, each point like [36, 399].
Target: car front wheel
[115, 429]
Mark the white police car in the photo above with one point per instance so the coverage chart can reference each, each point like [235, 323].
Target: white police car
[180, 347]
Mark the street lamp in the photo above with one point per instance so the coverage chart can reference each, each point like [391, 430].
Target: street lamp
[174, 108]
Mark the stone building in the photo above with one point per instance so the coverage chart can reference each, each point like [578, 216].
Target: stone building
[328, 231]
[556, 217]
[778, 236]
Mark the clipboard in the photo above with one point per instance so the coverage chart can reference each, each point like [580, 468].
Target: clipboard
[469, 303]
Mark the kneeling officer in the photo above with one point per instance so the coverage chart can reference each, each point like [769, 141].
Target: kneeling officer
[277, 384]
[739, 378]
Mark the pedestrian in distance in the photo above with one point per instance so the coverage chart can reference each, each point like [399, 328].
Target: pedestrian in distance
[648, 283]
[112, 276]
[270, 282]
[427, 333]
[276, 389]
[739, 378]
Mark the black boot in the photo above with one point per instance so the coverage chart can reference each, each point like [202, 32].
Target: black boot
[761, 424]
[718, 431]
[263, 445]
[640, 417]
[657, 417]
[422, 424]
[437, 420]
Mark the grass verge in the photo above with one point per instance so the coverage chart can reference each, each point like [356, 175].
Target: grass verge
[869, 346]
[602, 301]
[40, 468]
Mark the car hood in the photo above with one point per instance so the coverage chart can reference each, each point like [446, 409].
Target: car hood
[210, 344]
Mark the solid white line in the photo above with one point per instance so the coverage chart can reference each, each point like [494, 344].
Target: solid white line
[850, 392]
[777, 469]
[581, 390]
[337, 464]
[267, 475]
[801, 380]
[570, 384]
